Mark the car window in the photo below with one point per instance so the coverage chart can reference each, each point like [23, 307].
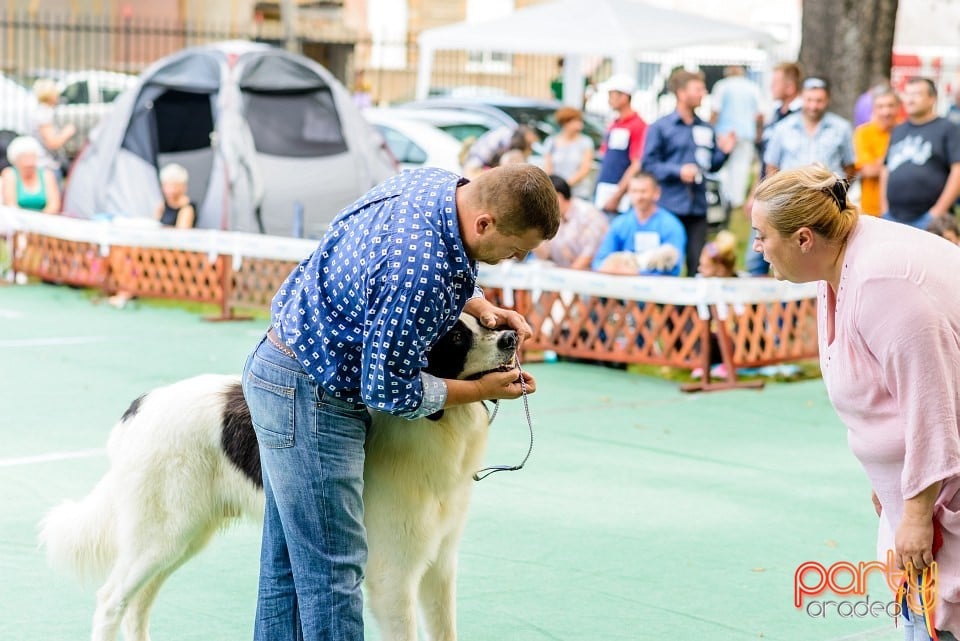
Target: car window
[76, 93]
[109, 94]
[402, 148]
[463, 131]
[543, 120]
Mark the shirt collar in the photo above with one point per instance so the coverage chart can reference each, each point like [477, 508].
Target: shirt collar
[454, 240]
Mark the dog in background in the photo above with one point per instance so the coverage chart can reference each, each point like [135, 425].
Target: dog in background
[184, 463]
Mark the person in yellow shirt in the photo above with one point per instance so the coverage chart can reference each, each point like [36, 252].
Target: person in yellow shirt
[870, 141]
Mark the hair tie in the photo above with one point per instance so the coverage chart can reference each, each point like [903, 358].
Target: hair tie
[838, 191]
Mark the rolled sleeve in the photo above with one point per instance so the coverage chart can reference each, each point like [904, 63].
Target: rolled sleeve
[434, 396]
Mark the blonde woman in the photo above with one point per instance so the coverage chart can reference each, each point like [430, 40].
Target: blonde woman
[176, 210]
[889, 334]
[44, 129]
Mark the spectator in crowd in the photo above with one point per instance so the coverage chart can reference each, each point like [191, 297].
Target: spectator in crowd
[646, 239]
[736, 108]
[717, 260]
[680, 147]
[870, 141]
[512, 157]
[863, 107]
[622, 146]
[486, 151]
[945, 227]
[556, 83]
[719, 257]
[785, 82]
[953, 113]
[362, 90]
[921, 178]
[582, 228]
[813, 135]
[175, 210]
[569, 152]
[53, 140]
[25, 183]
[338, 353]
[888, 340]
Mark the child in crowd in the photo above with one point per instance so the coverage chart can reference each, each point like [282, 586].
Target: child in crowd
[717, 260]
[719, 257]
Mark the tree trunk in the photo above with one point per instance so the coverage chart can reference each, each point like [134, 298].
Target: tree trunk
[849, 43]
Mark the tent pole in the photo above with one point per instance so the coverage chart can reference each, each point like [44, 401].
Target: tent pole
[424, 68]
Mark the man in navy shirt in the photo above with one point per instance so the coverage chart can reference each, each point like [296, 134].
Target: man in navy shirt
[351, 327]
[679, 148]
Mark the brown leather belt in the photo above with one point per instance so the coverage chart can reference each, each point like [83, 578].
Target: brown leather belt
[279, 344]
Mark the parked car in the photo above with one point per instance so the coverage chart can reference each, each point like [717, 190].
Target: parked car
[465, 126]
[85, 98]
[512, 111]
[414, 143]
[16, 106]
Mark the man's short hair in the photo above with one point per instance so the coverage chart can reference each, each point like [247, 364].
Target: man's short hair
[683, 78]
[521, 197]
[561, 185]
[646, 175]
[930, 84]
[791, 72]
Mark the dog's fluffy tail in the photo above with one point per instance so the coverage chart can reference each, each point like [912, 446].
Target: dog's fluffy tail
[79, 536]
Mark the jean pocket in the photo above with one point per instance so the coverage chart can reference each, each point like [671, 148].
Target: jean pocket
[272, 409]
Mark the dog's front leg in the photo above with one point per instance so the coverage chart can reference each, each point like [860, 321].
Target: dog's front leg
[392, 601]
[438, 597]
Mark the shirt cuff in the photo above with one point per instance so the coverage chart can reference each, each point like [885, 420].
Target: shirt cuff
[477, 293]
[434, 396]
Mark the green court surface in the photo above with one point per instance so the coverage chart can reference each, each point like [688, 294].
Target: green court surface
[644, 513]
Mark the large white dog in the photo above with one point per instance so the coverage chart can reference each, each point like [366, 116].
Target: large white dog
[184, 463]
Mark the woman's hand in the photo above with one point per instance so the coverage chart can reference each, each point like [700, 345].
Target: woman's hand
[914, 542]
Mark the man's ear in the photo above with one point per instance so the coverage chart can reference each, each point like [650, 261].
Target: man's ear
[483, 223]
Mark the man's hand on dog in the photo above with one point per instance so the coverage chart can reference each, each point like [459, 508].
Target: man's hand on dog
[492, 317]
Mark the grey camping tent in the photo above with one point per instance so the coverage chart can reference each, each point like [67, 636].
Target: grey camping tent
[260, 130]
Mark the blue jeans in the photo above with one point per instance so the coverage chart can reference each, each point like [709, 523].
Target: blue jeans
[915, 629]
[314, 543]
[920, 223]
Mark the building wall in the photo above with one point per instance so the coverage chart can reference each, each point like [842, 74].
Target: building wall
[524, 75]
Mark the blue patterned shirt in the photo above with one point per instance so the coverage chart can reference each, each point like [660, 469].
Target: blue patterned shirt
[390, 276]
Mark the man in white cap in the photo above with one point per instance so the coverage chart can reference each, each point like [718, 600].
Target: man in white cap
[622, 147]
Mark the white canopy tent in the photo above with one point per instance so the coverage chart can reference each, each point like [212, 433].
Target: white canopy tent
[618, 29]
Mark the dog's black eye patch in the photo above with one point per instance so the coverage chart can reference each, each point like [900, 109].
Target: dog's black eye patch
[447, 358]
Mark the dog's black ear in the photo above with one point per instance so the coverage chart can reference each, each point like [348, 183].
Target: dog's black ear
[436, 416]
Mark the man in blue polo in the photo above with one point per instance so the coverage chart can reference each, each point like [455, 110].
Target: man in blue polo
[812, 135]
[680, 147]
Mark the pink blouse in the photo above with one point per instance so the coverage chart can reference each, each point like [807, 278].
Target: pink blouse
[890, 357]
